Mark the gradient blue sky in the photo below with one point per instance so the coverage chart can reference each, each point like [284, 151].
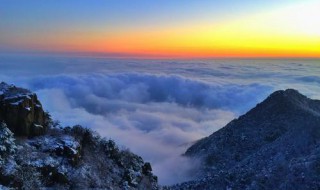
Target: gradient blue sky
[74, 25]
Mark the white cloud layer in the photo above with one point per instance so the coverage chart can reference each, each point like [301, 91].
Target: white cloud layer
[155, 108]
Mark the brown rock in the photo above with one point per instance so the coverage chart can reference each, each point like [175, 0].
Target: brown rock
[21, 110]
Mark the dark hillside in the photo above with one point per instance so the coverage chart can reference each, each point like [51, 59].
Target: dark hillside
[276, 145]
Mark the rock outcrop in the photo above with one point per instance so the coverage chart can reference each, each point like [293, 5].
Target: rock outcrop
[55, 157]
[21, 110]
[71, 158]
[276, 145]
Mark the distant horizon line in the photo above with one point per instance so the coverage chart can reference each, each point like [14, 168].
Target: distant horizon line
[108, 55]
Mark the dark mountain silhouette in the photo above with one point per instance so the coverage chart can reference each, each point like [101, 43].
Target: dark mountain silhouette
[276, 145]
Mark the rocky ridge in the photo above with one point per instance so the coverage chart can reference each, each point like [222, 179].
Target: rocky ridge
[37, 153]
[276, 145]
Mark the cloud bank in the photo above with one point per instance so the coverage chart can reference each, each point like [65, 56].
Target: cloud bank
[158, 108]
[155, 116]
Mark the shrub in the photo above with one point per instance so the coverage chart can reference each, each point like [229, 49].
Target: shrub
[7, 142]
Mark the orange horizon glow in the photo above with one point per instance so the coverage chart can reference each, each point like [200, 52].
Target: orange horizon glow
[291, 31]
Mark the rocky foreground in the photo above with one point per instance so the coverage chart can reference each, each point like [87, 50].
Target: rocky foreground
[276, 145]
[21, 110]
[36, 153]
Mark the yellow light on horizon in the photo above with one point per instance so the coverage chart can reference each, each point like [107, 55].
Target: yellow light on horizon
[287, 31]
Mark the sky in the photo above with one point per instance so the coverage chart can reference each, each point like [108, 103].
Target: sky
[158, 107]
[170, 29]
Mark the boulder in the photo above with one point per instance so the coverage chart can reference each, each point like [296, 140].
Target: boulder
[21, 110]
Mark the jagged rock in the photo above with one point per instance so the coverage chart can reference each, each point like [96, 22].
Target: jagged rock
[276, 145]
[75, 158]
[65, 146]
[60, 158]
[147, 169]
[21, 110]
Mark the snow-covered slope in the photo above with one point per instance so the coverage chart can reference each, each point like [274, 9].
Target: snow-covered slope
[276, 145]
[60, 158]
[71, 158]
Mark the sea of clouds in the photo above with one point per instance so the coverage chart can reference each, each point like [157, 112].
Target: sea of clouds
[155, 108]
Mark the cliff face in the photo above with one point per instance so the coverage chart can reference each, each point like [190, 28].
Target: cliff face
[276, 145]
[55, 157]
[21, 110]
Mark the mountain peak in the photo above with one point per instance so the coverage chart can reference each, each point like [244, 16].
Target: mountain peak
[282, 103]
[288, 94]
[282, 129]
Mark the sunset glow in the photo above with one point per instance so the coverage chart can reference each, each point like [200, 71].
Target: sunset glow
[284, 30]
[160, 94]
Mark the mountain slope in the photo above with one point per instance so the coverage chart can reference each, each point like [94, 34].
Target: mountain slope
[276, 145]
[36, 153]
